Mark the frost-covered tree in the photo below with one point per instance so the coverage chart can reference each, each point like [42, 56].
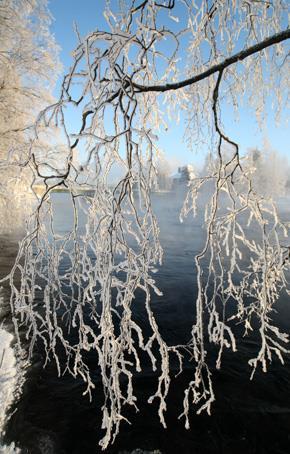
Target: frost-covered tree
[157, 59]
[163, 174]
[270, 172]
[28, 69]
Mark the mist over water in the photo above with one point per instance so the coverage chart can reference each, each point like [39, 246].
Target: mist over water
[52, 415]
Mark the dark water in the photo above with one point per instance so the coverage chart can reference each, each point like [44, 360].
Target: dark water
[52, 416]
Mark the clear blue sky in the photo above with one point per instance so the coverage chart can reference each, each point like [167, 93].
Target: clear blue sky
[88, 14]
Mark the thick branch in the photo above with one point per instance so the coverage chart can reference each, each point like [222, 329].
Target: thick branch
[274, 39]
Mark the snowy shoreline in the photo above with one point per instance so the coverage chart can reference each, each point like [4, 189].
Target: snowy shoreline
[8, 385]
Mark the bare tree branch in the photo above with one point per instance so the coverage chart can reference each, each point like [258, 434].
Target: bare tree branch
[240, 56]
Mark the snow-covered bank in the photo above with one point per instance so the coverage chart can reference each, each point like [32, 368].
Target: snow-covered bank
[8, 384]
[7, 374]
[11, 449]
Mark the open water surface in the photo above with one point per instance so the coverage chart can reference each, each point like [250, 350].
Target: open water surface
[253, 417]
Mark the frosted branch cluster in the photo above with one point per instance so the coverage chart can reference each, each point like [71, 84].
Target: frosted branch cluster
[89, 276]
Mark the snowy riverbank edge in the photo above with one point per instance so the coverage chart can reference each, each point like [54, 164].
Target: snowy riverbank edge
[9, 385]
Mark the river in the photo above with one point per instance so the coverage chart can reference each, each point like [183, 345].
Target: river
[52, 417]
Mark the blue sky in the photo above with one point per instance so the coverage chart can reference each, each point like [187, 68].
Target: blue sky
[88, 14]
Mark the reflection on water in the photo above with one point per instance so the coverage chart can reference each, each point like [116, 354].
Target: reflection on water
[248, 417]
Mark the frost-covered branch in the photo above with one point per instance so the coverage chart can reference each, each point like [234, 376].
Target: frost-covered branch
[119, 83]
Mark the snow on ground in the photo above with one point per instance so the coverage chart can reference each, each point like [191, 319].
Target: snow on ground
[8, 383]
[11, 449]
[7, 374]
